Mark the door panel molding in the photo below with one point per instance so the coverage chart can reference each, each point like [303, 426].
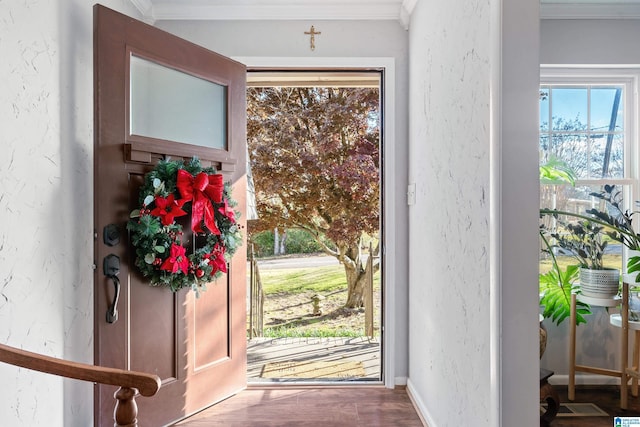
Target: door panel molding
[141, 149]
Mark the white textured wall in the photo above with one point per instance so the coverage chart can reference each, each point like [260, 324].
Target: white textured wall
[473, 229]
[339, 39]
[449, 240]
[31, 230]
[603, 43]
[46, 198]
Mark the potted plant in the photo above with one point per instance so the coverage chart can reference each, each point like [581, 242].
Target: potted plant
[617, 223]
[583, 242]
[557, 285]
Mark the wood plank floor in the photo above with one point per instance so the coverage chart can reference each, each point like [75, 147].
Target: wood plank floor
[285, 406]
[606, 397]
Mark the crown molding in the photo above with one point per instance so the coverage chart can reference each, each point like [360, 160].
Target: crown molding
[155, 10]
[589, 10]
[406, 9]
[145, 7]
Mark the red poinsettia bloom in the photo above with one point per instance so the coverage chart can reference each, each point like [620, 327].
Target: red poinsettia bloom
[168, 208]
[217, 259]
[227, 211]
[177, 260]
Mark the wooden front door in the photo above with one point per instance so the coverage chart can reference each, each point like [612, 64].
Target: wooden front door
[197, 346]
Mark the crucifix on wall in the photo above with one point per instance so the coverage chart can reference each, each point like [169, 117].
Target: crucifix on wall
[312, 32]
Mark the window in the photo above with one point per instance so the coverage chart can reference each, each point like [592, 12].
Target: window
[584, 126]
[587, 121]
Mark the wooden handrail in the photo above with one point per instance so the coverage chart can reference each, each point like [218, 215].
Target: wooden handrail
[130, 382]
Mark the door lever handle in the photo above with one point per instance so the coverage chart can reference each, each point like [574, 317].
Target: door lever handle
[112, 311]
[111, 267]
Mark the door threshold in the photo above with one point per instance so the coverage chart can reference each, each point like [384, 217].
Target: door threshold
[312, 384]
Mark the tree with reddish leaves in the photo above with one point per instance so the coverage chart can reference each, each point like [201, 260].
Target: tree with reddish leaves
[316, 165]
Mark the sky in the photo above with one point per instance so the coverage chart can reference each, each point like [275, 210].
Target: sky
[571, 102]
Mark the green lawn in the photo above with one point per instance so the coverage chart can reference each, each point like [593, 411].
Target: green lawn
[611, 260]
[324, 279]
[287, 295]
[318, 332]
[296, 280]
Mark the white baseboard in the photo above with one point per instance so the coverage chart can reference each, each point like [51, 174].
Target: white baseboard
[418, 404]
[586, 379]
[400, 380]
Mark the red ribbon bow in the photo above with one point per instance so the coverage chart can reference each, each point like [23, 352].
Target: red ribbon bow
[201, 189]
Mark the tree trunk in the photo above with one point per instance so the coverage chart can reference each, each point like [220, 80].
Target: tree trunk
[283, 242]
[356, 280]
[276, 241]
[355, 271]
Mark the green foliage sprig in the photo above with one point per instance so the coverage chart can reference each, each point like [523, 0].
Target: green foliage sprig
[556, 287]
[619, 222]
[556, 172]
[583, 242]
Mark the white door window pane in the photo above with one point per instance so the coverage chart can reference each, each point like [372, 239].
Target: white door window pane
[175, 106]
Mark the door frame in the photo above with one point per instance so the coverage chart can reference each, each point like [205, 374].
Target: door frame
[390, 199]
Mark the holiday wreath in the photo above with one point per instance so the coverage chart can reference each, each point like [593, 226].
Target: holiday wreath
[174, 189]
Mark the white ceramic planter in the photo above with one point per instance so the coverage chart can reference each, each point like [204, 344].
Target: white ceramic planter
[599, 283]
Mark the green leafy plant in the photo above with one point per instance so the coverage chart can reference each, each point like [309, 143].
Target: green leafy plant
[617, 222]
[583, 242]
[621, 224]
[556, 172]
[556, 287]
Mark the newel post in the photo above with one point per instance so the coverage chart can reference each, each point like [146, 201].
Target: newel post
[126, 411]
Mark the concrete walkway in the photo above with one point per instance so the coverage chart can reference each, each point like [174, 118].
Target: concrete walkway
[264, 350]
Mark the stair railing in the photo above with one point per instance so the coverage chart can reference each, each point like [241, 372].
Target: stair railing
[131, 383]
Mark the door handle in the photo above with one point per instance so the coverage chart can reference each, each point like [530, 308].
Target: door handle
[111, 267]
